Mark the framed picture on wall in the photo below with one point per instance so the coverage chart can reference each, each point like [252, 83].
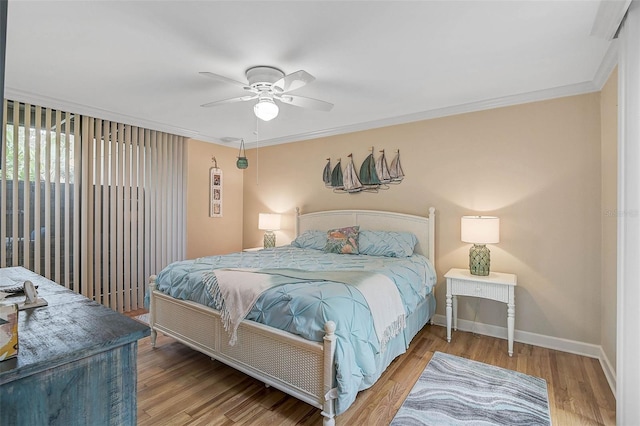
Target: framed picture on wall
[215, 195]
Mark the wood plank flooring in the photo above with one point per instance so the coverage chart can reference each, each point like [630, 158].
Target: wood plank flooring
[179, 386]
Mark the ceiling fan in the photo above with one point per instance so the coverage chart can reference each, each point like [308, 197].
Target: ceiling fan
[267, 85]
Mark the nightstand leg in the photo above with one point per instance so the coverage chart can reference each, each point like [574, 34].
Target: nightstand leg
[455, 313]
[448, 317]
[511, 313]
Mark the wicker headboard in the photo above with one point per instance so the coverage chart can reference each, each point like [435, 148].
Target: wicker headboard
[422, 227]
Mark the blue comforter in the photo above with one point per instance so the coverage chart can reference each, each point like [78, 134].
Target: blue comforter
[303, 308]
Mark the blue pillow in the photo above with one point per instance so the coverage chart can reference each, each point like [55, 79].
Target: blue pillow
[313, 239]
[387, 243]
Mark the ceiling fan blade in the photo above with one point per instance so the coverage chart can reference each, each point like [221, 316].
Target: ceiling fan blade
[230, 101]
[304, 102]
[293, 81]
[224, 79]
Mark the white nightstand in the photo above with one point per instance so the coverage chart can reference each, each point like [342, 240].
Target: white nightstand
[495, 286]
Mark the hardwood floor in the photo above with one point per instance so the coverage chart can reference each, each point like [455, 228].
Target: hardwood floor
[179, 386]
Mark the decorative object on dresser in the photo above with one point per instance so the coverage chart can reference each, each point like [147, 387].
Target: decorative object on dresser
[455, 390]
[8, 330]
[480, 230]
[269, 222]
[31, 299]
[496, 286]
[76, 364]
[302, 357]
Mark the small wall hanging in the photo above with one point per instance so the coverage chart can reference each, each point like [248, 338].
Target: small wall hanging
[242, 162]
[374, 174]
[215, 183]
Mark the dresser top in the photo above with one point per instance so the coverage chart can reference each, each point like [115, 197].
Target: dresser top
[71, 327]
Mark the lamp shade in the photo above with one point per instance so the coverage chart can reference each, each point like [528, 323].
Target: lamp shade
[480, 229]
[266, 109]
[269, 221]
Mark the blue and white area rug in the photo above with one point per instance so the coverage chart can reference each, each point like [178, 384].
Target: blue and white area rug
[459, 391]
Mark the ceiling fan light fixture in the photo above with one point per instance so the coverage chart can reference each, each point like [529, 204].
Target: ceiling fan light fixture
[266, 109]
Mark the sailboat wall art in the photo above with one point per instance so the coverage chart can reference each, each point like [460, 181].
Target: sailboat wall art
[374, 174]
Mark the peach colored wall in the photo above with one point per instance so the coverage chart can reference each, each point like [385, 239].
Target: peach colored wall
[536, 166]
[207, 235]
[609, 161]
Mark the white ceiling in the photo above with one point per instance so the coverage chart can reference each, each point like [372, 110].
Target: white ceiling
[379, 63]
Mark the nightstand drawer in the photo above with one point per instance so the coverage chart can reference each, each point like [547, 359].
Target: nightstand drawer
[491, 291]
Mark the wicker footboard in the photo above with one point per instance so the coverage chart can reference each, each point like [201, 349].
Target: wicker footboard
[301, 368]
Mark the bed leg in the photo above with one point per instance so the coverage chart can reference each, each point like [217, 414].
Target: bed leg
[154, 336]
[328, 421]
[329, 354]
[152, 310]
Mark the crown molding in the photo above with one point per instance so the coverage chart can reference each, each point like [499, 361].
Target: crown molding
[608, 18]
[78, 108]
[607, 65]
[523, 98]
[535, 96]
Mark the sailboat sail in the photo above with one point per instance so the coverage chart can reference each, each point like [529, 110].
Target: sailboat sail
[382, 169]
[337, 181]
[395, 171]
[351, 181]
[368, 174]
[326, 173]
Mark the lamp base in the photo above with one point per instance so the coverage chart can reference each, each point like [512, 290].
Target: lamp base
[269, 239]
[479, 260]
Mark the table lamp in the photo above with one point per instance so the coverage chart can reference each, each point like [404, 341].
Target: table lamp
[479, 230]
[269, 222]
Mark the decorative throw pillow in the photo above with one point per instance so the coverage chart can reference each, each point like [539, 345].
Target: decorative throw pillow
[342, 240]
[313, 239]
[387, 243]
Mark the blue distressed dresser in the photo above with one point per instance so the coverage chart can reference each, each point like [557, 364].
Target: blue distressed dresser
[76, 362]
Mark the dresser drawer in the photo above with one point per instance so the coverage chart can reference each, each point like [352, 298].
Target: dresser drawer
[491, 291]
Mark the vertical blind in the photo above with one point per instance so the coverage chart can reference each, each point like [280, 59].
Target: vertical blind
[94, 205]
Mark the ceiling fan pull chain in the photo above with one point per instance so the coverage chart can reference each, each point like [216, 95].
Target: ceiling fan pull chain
[257, 153]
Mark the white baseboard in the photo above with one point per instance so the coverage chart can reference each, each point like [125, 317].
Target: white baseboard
[609, 371]
[556, 343]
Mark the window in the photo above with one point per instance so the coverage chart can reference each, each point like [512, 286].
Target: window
[94, 205]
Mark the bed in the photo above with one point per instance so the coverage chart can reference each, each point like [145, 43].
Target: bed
[323, 360]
